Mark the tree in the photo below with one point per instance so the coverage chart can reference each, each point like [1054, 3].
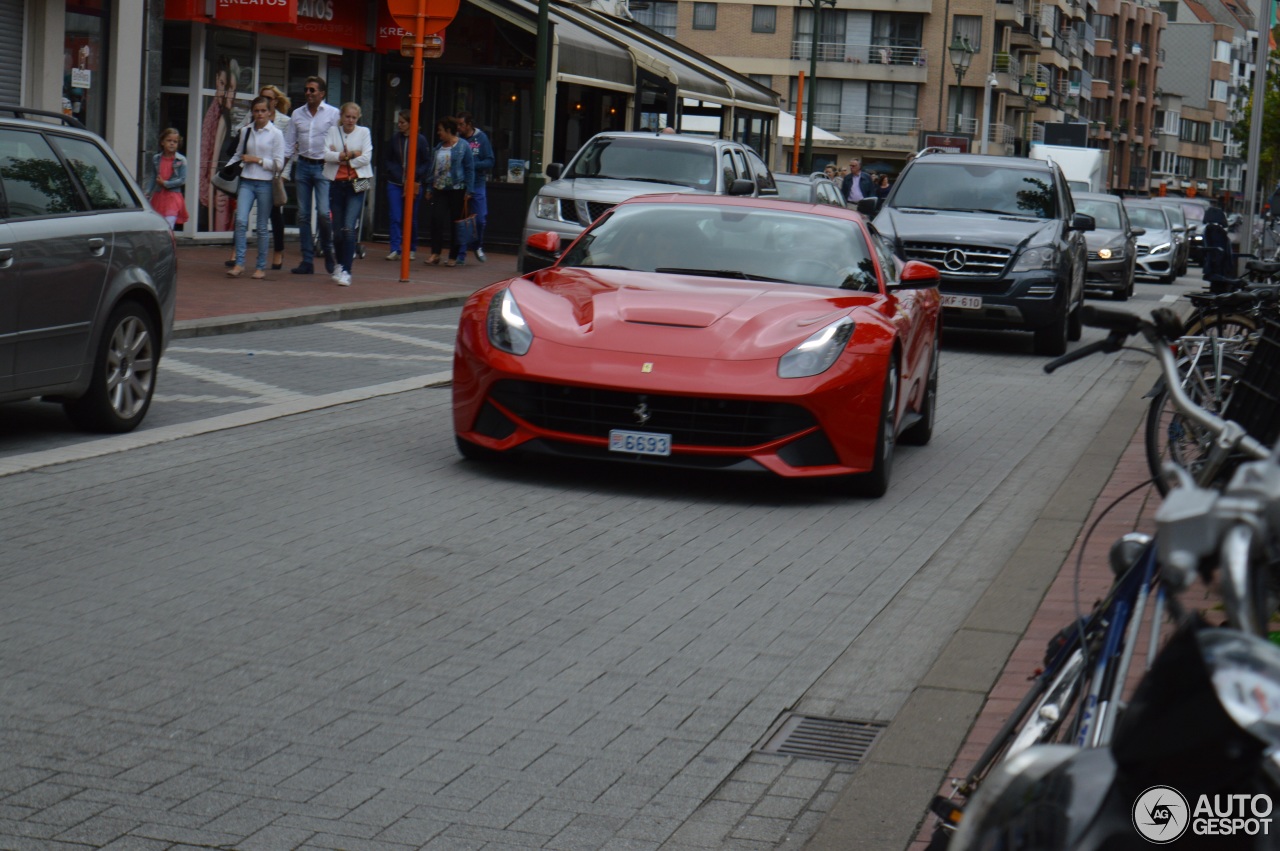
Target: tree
[1269, 157]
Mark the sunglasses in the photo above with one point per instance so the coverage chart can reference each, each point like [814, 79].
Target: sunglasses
[312, 90]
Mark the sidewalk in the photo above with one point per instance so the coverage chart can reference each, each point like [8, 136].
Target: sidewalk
[211, 303]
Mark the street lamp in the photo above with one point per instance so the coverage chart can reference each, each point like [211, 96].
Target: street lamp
[813, 79]
[961, 55]
[1027, 85]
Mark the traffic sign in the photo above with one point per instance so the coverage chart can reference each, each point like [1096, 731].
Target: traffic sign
[438, 14]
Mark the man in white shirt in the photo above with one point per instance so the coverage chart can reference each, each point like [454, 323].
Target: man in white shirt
[305, 139]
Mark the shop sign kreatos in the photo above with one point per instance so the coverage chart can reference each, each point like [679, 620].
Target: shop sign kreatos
[267, 11]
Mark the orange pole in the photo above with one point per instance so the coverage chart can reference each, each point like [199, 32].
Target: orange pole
[795, 141]
[415, 101]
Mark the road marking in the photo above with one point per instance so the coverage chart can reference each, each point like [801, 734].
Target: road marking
[226, 400]
[293, 353]
[164, 434]
[363, 328]
[1169, 298]
[425, 326]
[264, 392]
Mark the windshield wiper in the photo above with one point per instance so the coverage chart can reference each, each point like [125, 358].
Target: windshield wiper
[721, 273]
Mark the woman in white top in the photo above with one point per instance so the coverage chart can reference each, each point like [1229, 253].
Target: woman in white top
[280, 118]
[347, 156]
[262, 153]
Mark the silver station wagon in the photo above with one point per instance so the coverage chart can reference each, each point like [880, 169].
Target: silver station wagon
[88, 274]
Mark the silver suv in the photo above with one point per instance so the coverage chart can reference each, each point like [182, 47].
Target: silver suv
[612, 167]
[88, 274]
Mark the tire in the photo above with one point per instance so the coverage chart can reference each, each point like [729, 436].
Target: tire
[922, 432]
[123, 380]
[1051, 340]
[1075, 326]
[1171, 437]
[474, 452]
[876, 482]
[1221, 325]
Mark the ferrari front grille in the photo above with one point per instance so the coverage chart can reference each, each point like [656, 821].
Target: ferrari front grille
[690, 420]
[952, 259]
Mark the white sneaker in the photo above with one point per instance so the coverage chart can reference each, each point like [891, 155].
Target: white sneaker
[343, 278]
[413, 255]
[395, 255]
[480, 255]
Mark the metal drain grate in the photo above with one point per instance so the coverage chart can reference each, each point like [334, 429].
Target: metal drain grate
[822, 738]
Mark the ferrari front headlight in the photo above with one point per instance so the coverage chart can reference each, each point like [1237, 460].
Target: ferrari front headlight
[507, 329]
[815, 355]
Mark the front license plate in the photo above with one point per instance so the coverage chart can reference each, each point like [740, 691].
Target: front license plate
[968, 302]
[639, 442]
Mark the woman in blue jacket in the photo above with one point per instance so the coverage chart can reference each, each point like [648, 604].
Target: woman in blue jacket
[450, 184]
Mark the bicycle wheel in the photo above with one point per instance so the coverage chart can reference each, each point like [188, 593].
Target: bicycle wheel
[1224, 326]
[1170, 436]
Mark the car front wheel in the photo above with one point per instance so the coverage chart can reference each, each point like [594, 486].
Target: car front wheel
[876, 482]
[124, 374]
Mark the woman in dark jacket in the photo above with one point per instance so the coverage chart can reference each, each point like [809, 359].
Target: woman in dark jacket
[397, 154]
[452, 176]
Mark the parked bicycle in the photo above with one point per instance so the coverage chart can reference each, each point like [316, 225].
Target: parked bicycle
[1077, 696]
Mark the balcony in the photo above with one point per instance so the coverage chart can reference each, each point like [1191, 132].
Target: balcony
[862, 54]
[871, 125]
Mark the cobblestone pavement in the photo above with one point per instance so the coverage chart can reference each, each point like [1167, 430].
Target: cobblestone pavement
[325, 631]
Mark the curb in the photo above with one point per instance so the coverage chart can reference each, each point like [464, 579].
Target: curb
[240, 323]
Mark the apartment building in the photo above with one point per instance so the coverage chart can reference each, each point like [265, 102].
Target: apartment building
[893, 75]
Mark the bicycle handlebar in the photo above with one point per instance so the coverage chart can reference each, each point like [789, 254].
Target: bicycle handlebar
[1112, 343]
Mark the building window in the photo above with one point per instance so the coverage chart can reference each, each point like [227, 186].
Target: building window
[969, 27]
[891, 107]
[764, 19]
[659, 16]
[704, 16]
[765, 80]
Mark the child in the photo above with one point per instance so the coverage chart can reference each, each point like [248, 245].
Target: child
[170, 169]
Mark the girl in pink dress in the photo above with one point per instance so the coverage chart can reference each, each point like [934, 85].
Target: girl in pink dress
[170, 170]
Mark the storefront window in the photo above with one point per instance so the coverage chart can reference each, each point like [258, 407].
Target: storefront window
[84, 63]
[229, 81]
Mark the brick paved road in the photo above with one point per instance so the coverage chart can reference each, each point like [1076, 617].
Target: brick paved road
[326, 631]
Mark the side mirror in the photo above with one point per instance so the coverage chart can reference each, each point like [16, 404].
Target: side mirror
[553, 171]
[1137, 231]
[1179, 229]
[869, 206]
[541, 250]
[1082, 222]
[916, 275]
[742, 186]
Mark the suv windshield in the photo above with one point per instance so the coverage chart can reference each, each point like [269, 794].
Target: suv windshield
[651, 160]
[977, 188]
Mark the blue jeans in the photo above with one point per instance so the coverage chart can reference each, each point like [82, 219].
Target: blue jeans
[308, 178]
[395, 209]
[251, 191]
[346, 207]
[480, 206]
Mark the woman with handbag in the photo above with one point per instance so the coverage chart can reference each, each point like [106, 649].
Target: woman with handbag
[261, 155]
[347, 157]
[452, 177]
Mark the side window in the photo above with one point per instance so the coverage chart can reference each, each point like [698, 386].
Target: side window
[35, 181]
[764, 177]
[105, 187]
[729, 169]
[827, 195]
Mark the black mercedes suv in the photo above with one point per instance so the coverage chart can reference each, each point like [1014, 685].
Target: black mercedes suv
[1005, 236]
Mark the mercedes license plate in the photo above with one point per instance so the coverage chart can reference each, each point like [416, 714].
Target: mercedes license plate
[968, 302]
[639, 442]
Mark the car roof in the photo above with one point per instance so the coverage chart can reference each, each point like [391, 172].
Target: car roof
[770, 202]
[709, 141]
[800, 178]
[1096, 196]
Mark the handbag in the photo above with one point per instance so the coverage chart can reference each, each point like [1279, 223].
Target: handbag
[227, 178]
[279, 197]
[466, 228]
[358, 184]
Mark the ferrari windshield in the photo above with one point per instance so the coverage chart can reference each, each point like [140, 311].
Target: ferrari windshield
[647, 159]
[974, 188]
[749, 243]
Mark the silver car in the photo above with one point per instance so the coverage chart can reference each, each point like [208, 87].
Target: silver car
[1157, 248]
[612, 167]
[88, 274]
